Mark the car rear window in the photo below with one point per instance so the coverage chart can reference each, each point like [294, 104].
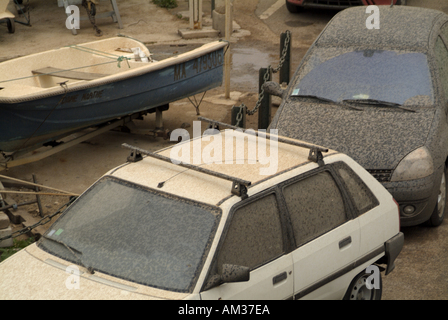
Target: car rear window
[363, 199]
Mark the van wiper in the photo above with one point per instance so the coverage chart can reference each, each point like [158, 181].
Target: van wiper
[326, 100]
[378, 103]
[313, 97]
[72, 251]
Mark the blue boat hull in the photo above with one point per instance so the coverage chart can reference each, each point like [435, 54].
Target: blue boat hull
[35, 122]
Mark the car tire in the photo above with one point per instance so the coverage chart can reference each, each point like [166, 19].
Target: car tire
[293, 8]
[358, 289]
[401, 2]
[440, 209]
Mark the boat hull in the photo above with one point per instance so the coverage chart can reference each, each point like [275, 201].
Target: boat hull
[27, 123]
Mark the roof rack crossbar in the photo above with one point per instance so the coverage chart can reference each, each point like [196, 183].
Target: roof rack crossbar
[315, 151]
[239, 186]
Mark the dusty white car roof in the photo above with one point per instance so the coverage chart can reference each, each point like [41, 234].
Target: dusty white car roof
[150, 172]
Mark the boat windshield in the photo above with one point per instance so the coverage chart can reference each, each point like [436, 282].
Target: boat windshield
[397, 77]
[136, 234]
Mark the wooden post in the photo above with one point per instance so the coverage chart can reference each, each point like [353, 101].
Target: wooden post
[2, 202]
[199, 26]
[195, 14]
[191, 12]
[264, 111]
[236, 112]
[227, 57]
[285, 70]
[39, 204]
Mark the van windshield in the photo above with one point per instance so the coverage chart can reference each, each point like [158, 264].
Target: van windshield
[401, 78]
[135, 233]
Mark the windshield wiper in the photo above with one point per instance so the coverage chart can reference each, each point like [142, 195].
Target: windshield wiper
[379, 103]
[326, 100]
[72, 251]
[313, 97]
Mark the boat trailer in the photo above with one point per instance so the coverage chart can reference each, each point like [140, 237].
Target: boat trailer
[126, 123]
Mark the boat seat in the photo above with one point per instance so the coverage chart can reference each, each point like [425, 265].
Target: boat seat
[76, 75]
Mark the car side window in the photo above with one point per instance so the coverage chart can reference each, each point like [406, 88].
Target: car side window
[254, 236]
[442, 61]
[315, 206]
[361, 196]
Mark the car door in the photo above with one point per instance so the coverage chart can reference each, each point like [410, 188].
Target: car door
[326, 235]
[255, 238]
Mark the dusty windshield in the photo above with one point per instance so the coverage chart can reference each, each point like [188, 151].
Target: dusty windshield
[135, 234]
[399, 77]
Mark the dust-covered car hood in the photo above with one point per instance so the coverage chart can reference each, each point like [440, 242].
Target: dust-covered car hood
[33, 274]
[377, 138]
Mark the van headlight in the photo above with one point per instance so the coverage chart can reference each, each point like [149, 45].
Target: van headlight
[416, 165]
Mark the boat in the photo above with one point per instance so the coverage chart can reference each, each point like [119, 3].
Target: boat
[49, 95]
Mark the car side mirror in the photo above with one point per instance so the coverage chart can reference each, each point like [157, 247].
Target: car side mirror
[273, 88]
[230, 273]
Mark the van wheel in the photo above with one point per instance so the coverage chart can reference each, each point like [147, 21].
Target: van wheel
[358, 289]
[440, 209]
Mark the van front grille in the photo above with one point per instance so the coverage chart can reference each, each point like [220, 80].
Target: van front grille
[381, 175]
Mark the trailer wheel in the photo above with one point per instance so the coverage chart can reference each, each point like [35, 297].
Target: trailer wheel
[11, 25]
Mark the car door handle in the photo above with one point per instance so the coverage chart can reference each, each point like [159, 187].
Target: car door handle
[345, 242]
[279, 278]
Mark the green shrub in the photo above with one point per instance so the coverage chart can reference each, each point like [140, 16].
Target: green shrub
[166, 3]
[18, 245]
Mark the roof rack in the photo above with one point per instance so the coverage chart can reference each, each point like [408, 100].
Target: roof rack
[315, 154]
[239, 186]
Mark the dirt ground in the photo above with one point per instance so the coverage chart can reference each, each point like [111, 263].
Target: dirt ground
[254, 45]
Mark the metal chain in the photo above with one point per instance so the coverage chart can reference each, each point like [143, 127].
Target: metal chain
[91, 12]
[266, 76]
[261, 95]
[239, 116]
[41, 222]
[284, 52]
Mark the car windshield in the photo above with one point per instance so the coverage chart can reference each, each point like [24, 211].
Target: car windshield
[397, 77]
[136, 234]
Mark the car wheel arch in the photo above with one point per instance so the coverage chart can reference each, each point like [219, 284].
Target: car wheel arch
[352, 288]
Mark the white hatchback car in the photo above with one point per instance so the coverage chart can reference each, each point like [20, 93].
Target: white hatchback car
[151, 229]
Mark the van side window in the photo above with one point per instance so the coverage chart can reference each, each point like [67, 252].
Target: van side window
[254, 236]
[315, 205]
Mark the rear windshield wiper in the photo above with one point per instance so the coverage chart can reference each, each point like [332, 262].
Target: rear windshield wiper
[72, 251]
[378, 103]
